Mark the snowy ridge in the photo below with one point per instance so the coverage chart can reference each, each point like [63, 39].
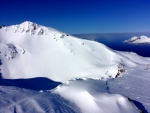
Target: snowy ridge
[139, 40]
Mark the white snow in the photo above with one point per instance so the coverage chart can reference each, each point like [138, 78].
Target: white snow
[30, 50]
[79, 96]
[26, 52]
[18, 100]
[91, 96]
[139, 40]
[134, 84]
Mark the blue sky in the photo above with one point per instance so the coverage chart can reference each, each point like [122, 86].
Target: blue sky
[79, 16]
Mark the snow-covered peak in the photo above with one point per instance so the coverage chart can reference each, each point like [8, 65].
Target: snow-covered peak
[139, 40]
[28, 28]
[27, 23]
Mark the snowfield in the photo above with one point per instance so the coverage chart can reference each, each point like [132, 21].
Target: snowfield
[139, 40]
[88, 74]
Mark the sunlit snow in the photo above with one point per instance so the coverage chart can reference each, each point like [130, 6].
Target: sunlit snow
[85, 68]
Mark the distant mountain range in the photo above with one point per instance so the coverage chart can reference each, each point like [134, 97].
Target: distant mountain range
[93, 36]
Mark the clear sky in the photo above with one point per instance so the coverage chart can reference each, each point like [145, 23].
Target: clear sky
[79, 16]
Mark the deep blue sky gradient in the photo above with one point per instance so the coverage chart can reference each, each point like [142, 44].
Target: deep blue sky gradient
[79, 16]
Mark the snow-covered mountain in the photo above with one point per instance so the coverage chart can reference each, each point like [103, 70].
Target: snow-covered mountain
[139, 40]
[30, 50]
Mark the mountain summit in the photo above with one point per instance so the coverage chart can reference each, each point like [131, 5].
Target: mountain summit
[28, 28]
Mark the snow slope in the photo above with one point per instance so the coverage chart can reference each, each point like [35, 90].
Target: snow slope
[18, 100]
[139, 40]
[92, 97]
[30, 50]
[79, 96]
[134, 84]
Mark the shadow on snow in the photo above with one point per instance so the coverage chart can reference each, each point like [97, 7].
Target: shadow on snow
[0, 69]
[39, 83]
[139, 105]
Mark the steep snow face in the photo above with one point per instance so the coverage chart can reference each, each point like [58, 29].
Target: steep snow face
[30, 50]
[139, 40]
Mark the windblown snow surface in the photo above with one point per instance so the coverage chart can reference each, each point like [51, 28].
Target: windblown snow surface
[91, 78]
[139, 40]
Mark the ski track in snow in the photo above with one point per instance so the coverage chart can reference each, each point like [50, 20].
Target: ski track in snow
[34, 101]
